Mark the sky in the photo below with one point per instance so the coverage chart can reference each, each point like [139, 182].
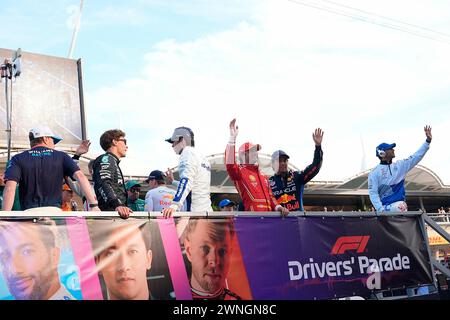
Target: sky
[366, 72]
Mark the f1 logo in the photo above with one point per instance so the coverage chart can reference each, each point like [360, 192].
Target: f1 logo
[344, 244]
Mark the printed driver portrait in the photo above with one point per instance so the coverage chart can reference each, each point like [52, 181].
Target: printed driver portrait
[29, 259]
[208, 247]
[387, 179]
[123, 256]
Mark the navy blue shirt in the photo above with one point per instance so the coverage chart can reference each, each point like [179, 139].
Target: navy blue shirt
[40, 172]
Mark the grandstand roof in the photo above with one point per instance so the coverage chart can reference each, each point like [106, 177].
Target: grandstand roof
[420, 181]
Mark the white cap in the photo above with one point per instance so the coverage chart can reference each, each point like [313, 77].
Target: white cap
[184, 132]
[44, 131]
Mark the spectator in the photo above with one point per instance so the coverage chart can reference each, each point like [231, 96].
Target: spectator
[68, 204]
[30, 259]
[108, 179]
[195, 175]
[386, 181]
[287, 186]
[134, 202]
[83, 148]
[159, 196]
[40, 171]
[226, 205]
[252, 185]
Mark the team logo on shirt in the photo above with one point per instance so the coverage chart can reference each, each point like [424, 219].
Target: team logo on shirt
[253, 180]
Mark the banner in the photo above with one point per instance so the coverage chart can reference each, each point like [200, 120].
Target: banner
[241, 258]
[325, 258]
[435, 239]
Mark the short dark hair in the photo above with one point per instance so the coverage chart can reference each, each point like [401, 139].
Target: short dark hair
[107, 138]
[45, 229]
[100, 230]
[34, 141]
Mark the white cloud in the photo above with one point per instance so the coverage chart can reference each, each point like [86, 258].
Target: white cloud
[290, 70]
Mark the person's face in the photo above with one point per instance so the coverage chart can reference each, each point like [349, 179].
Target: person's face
[67, 195]
[121, 145]
[152, 184]
[2, 178]
[251, 156]
[133, 193]
[390, 154]
[280, 166]
[209, 259]
[227, 208]
[179, 145]
[29, 267]
[124, 265]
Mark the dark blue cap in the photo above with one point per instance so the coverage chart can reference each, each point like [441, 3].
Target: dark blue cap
[156, 175]
[226, 203]
[384, 146]
[278, 154]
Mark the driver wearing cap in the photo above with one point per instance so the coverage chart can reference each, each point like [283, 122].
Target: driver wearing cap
[195, 175]
[252, 185]
[387, 179]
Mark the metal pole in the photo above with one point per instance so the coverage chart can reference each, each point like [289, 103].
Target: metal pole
[75, 31]
[8, 115]
[425, 236]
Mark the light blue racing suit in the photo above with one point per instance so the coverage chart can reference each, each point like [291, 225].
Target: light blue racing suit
[386, 181]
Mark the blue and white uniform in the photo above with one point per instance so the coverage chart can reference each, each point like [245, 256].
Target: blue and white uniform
[195, 178]
[386, 182]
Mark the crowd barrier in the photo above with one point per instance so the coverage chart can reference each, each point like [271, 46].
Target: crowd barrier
[248, 256]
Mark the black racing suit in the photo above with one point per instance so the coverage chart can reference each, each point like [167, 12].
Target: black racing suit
[288, 188]
[109, 184]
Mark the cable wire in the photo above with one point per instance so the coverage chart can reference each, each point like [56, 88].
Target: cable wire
[368, 20]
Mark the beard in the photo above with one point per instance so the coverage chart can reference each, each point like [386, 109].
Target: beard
[41, 285]
[209, 285]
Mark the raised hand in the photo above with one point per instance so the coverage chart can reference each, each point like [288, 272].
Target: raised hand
[318, 136]
[234, 130]
[169, 175]
[83, 147]
[427, 130]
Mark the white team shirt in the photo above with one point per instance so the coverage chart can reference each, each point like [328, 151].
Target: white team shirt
[195, 177]
[159, 198]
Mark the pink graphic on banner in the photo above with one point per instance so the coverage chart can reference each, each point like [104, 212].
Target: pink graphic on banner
[174, 259]
[84, 258]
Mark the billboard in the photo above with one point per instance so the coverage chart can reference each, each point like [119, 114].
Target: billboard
[46, 93]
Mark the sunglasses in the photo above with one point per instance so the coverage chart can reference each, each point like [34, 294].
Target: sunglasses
[135, 190]
[123, 140]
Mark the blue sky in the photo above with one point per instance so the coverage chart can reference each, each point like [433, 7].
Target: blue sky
[281, 67]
